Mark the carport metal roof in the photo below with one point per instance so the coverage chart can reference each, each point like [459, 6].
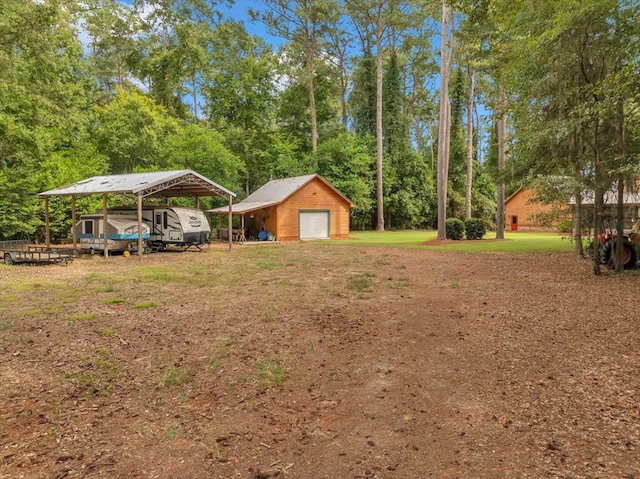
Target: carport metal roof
[160, 184]
[179, 183]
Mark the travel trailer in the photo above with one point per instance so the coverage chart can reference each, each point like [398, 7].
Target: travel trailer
[172, 226]
[122, 233]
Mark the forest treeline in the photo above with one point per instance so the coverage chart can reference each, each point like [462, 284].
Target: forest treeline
[351, 91]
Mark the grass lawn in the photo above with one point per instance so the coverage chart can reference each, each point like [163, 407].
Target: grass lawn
[514, 242]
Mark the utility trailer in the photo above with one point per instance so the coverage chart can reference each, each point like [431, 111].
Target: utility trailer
[171, 226]
[122, 233]
[22, 251]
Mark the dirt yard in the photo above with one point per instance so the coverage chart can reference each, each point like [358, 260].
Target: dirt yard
[319, 361]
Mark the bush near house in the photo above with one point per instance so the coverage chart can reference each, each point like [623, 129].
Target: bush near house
[475, 228]
[454, 228]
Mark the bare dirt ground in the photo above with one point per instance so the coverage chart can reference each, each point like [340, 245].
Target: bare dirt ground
[319, 361]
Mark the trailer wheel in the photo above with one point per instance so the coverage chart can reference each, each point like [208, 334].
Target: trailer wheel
[92, 251]
[8, 260]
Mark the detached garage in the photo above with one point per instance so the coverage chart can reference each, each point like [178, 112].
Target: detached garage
[289, 209]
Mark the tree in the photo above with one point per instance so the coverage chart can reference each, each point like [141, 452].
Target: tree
[567, 91]
[112, 27]
[446, 60]
[131, 131]
[198, 148]
[240, 95]
[46, 95]
[306, 24]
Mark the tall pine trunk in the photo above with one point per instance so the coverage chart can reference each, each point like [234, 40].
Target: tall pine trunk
[469, 185]
[446, 57]
[502, 133]
[379, 138]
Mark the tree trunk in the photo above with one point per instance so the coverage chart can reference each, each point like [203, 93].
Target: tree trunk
[597, 200]
[312, 110]
[467, 203]
[446, 56]
[502, 133]
[379, 183]
[620, 205]
[577, 217]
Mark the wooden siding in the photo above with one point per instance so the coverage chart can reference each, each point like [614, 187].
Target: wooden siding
[524, 205]
[315, 195]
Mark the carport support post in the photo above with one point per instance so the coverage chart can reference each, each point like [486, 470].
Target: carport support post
[139, 225]
[105, 226]
[74, 236]
[47, 233]
[230, 221]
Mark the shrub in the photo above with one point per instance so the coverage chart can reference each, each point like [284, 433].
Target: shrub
[454, 228]
[565, 226]
[475, 228]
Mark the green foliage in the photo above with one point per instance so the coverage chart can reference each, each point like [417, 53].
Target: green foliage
[132, 132]
[454, 228]
[475, 228]
[197, 147]
[565, 226]
[345, 161]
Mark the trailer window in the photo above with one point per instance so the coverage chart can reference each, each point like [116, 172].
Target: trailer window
[158, 219]
[165, 220]
[88, 227]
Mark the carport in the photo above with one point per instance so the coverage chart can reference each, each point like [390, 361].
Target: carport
[161, 184]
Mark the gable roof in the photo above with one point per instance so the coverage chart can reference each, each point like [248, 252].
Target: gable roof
[150, 184]
[273, 193]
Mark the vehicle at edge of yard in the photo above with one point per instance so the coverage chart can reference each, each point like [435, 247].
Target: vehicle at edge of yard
[122, 233]
[607, 248]
[172, 226]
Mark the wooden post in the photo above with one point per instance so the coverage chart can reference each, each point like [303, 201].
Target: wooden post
[198, 202]
[140, 226]
[74, 235]
[47, 232]
[105, 226]
[230, 222]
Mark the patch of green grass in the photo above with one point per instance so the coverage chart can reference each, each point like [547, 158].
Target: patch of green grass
[6, 325]
[80, 317]
[52, 309]
[160, 274]
[400, 283]
[93, 276]
[514, 242]
[360, 282]
[145, 304]
[97, 373]
[107, 332]
[271, 372]
[214, 361]
[173, 376]
[173, 430]
[112, 301]
[154, 403]
[455, 285]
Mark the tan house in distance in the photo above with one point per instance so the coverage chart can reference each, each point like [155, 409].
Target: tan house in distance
[290, 209]
[524, 212]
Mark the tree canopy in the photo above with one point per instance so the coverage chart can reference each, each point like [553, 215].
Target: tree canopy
[350, 91]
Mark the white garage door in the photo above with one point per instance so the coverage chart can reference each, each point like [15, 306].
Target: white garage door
[314, 225]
